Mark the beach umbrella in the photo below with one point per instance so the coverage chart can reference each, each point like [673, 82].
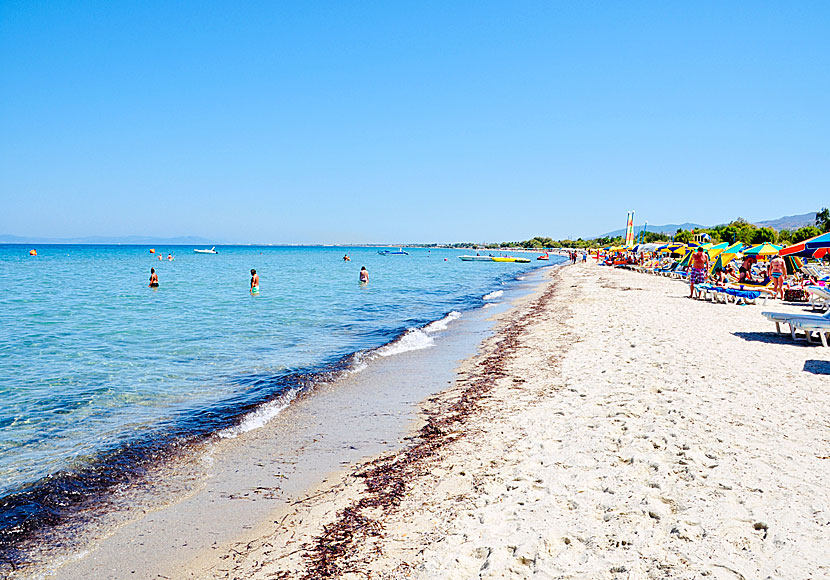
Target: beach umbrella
[800, 249]
[715, 251]
[726, 256]
[822, 241]
[765, 249]
[793, 263]
[671, 247]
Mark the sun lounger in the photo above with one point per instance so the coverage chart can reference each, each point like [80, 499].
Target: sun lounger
[764, 288]
[810, 327]
[743, 296]
[789, 318]
[819, 297]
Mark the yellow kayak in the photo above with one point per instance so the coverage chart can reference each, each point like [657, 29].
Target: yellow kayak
[521, 260]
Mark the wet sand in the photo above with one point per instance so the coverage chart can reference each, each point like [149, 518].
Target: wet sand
[612, 428]
[236, 488]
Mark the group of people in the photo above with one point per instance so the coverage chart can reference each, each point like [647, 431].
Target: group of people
[775, 272]
[154, 279]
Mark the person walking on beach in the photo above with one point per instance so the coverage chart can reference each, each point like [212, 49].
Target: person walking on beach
[700, 265]
[364, 275]
[254, 282]
[777, 269]
[154, 278]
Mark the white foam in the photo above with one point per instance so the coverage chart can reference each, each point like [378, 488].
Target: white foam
[443, 323]
[259, 417]
[412, 339]
[493, 295]
[358, 363]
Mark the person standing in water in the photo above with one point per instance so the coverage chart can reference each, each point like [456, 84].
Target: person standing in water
[364, 275]
[154, 278]
[254, 282]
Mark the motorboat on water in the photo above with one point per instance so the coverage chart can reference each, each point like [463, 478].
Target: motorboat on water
[210, 251]
[476, 258]
[400, 252]
[543, 257]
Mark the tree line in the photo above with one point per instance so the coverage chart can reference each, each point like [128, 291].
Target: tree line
[738, 230]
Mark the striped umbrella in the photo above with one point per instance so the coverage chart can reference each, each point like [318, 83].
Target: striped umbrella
[822, 241]
[800, 249]
[765, 249]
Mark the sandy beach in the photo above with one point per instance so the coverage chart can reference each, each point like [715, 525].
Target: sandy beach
[612, 428]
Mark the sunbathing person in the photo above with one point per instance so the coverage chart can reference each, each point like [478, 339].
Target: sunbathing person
[746, 270]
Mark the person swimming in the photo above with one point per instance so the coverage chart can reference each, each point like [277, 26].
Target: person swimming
[254, 282]
[154, 278]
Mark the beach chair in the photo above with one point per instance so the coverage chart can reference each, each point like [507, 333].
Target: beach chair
[819, 297]
[810, 327]
[765, 289]
[789, 318]
[816, 271]
[744, 296]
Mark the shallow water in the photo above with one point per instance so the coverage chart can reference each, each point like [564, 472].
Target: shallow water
[93, 361]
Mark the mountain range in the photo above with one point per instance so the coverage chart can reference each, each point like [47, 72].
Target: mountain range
[790, 222]
[130, 240]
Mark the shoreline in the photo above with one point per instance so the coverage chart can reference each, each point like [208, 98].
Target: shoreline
[580, 445]
[328, 522]
[137, 531]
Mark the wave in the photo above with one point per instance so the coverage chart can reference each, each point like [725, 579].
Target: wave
[412, 339]
[493, 295]
[260, 417]
[442, 323]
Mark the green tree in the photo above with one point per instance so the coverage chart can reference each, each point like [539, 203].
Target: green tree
[684, 236]
[823, 220]
[805, 233]
[761, 235]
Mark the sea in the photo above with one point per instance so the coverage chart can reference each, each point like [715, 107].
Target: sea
[100, 374]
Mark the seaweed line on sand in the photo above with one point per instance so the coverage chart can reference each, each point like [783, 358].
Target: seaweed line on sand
[388, 478]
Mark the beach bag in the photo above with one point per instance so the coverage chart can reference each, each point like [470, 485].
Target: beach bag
[795, 295]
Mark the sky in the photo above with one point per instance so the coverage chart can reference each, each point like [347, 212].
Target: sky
[363, 122]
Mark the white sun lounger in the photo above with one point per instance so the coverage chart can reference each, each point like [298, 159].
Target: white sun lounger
[820, 327]
[819, 297]
[790, 318]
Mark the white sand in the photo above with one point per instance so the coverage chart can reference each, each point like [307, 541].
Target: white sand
[635, 434]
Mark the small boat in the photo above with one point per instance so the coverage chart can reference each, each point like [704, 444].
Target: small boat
[543, 257]
[210, 251]
[511, 259]
[400, 252]
[476, 258]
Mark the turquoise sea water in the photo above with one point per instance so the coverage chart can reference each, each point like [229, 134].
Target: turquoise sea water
[92, 360]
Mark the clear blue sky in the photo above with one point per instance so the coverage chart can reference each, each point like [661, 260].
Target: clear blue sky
[303, 122]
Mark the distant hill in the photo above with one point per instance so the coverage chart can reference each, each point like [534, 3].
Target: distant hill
[790, 222]
[664, 229]
[130, 240]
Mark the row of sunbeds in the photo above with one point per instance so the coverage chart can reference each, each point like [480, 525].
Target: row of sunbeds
[810, 326]
[734, 291]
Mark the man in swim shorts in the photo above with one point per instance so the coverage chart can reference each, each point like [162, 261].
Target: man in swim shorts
[254, 282]
[700, 265]
[154, 278]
